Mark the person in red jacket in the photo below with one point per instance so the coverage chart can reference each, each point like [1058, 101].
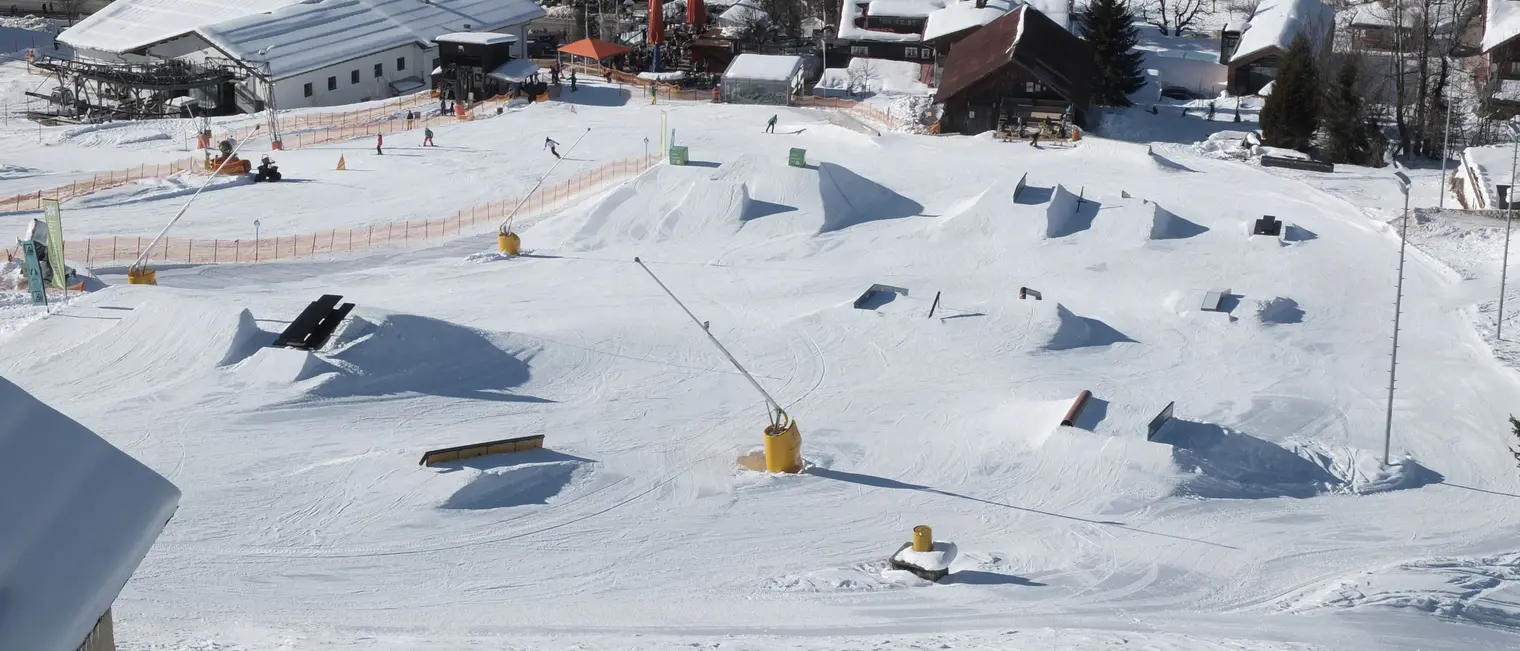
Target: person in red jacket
[380, 143]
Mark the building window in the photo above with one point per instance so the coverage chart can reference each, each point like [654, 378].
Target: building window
[859, 51]
[435, 63]
[379, 70]
[353, 77]
[400, 63]
[1033, 87]
[307, 89]
[332, 83]
[910, 52]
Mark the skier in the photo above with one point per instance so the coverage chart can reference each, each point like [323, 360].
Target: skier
[550, 144]
[1211, 111]
[607, 74]
[770, 125]
[554, 75]
[427, 137]
[380, 143]
[572, 80]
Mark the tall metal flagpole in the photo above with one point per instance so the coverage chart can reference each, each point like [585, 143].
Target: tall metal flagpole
[1509, 219]
[1446, 143]
[1398, 304]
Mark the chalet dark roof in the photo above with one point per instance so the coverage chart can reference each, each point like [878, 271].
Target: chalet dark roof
[1026, 38]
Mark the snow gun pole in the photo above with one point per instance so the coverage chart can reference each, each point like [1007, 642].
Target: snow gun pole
[769, 401]
[506, 226]
[143, 257]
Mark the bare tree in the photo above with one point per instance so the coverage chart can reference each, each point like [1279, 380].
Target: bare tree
[1173, 16]
[862, 72]
[1244, 9]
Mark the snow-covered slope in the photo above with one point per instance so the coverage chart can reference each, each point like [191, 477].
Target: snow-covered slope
[308, 522]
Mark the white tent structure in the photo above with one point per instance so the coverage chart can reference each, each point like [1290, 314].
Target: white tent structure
[762, 79]
[300, 54]
[79, 517]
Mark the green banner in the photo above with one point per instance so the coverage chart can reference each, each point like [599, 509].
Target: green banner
[33, 273]
[798, 158]
[53, 214]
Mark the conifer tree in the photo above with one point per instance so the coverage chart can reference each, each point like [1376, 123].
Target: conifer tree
[1110, 28]
[1346, 136]
[1290, 116]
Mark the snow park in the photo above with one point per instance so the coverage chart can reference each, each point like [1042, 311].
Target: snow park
[448, 326]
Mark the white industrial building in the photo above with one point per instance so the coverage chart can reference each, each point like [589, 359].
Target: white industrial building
[313, 53]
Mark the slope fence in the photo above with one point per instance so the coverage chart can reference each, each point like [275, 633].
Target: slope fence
[96, 183]
[476, 219]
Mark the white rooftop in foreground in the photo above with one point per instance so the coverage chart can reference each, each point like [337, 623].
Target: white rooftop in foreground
[126, 25]
[79, 515]
[1277, 22]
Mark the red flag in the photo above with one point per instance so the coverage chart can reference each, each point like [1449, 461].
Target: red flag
[656, 22]
[696, 13]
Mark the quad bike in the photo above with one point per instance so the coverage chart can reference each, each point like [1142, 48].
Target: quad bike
[267, 171]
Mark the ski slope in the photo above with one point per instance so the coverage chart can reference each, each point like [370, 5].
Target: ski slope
[1265, 522]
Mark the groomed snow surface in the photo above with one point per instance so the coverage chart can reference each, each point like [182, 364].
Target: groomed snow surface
[1262, 520]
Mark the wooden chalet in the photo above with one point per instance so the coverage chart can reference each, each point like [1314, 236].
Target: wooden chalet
[1021, 65]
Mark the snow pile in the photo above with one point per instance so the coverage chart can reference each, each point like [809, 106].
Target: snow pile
[1482, 590]
[1166, 225]
[1073, 331]
[80, 516]
[868, 76]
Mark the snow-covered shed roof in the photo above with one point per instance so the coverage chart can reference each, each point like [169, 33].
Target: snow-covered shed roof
[79, 517]
[516, 70]
[1277, 22]
[1501, 23]
[764, 67]
[904, 8]
[126, 25]
[318, 33]
[854, 10]
[741, 15]
[1489, 166]
[963, 15]
[1058, 11]
[475, 38]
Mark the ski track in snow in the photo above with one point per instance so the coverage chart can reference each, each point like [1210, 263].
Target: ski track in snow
[1262, 522]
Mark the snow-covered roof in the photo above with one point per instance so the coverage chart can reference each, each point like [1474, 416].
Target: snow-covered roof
[662, 76]
[79, 517]
[1277, 22]
[1490, 166]
[318, 33]
[1501, 22]
[742, 14]
[963, 15]
[764, 67]
[872, 76]
[1056, 10]
[516, 70]
[904, 8]
[475, 38]
[126, 25]
[848, 31]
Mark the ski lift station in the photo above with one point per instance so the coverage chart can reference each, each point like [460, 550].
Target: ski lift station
[289, 53]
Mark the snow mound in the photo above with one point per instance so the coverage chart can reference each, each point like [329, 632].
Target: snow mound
[839, 196]
[1484, 590]
[1279, 310]
[1166, 225]
[666, 203]
[247, 339]
[280, 366]
[991, 210]
[182, 184]
[1067, 214]
[403, 354]
[1219, 462]
[517, 484]
[1073, 331]
[863, 577]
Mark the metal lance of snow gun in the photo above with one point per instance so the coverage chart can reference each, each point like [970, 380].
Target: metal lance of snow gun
[507, 242]
[783, 441]
[139, 273]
